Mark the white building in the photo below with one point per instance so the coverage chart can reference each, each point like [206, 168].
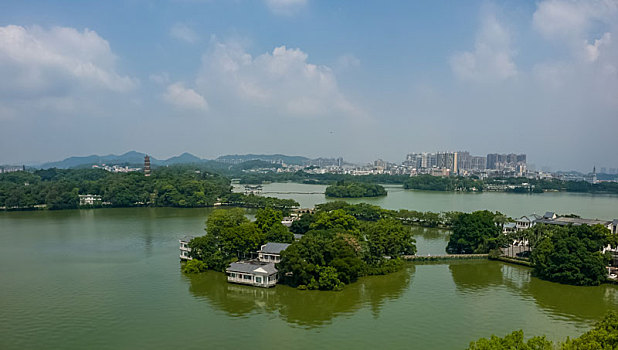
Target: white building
[185, 251]
[89, 199]
[526, 222]
[261, 272]
[271, 252]
[253, 273]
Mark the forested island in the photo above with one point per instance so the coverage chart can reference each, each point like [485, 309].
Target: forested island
[513, 184]
[174, 186]
[343, 189]
[336, 247]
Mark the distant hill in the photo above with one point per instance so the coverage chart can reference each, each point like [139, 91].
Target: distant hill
[134, 158]
[185, 158]
[241, 158]
[131, 157]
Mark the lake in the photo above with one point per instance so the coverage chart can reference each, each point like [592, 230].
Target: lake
[110, 278]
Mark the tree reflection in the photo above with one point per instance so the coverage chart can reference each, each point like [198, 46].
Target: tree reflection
[308, 309]
[575, 303]
[473, 275]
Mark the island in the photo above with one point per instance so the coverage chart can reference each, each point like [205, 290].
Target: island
[344, 189]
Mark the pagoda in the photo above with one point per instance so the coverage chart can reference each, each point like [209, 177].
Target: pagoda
[146, 166]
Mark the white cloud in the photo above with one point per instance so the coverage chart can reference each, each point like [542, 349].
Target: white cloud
[590, 73]
[285, 7]
[282, 82]
[492, 58]
[180, 96]
[182, 32]
[160, 78]
[38, 62]
[576, 24]
[593, 50]
[348, 61]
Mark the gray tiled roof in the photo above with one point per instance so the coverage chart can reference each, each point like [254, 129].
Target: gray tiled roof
[186, 238]
[274, 248]
[252, 267]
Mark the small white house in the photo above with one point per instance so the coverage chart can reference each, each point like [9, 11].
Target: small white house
[185, 251]
[253, 273]
[271, 252]
[526, 222]
[89, 199]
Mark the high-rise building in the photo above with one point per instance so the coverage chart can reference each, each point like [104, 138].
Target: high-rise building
[464, 161]
[478, 163]
[447, 160]
[146, 166]
[500, 161]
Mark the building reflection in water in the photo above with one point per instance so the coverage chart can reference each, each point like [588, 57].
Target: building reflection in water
[307, 309]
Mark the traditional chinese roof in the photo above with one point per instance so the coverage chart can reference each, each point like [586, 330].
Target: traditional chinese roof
[274, 248]
[252, 267]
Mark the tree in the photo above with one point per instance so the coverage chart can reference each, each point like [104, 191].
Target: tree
[266, 218]
[240, 240]
[336, 219]
[279, 233]
[328, 279]
[388, 237]
[514, 340]
[225, 218]
[194, 266]
[302, 225]
[604, 335]
[572, 254]
[476, 232]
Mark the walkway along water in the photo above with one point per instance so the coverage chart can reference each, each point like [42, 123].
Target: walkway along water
[444, 257]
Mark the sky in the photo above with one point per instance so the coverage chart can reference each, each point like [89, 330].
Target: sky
[361, 80]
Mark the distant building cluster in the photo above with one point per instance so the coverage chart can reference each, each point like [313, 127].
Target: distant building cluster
[115, 168]
[462, 163]
[12, 168]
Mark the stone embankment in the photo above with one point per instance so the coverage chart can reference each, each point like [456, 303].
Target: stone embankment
[444, 257]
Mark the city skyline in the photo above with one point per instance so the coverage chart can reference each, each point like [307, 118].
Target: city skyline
[464, 160]
[362, 81]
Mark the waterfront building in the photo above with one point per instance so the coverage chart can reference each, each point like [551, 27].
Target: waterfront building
[89, 199]
[185, 251]
[253, 273]
[255, 190]
[146, 165]
[509, 227]
[527, 221]
[271, 252]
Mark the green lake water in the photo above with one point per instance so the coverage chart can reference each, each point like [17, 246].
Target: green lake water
[110, 278]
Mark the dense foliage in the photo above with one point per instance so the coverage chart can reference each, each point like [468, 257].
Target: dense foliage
[323, 179]
[509, 184]
[438, 183]
[59, 189]
[230, 236]
[177, 186]
[339, 248]
[344, 189]
[514, 340]
[572, 254]
[604, 335]
[477, 233]
[253, 201]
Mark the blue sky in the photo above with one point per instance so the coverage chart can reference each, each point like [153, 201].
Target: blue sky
[363, 80]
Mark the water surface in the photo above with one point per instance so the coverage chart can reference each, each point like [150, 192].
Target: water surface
[110, 278]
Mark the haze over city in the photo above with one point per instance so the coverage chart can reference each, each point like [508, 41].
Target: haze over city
[301, 77]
